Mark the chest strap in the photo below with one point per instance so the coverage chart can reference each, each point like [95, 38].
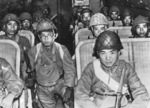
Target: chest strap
[103, 76]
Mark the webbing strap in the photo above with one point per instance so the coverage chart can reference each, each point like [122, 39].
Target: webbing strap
[105, 77]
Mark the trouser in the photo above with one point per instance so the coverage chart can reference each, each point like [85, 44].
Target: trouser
[46, 95]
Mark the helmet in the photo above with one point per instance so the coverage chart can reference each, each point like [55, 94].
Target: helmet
[84, 10]
[38, 14]
[108, 40]
[25, 16]
[103, 9]
[98, 19]
[9, 17]
[138, 20]
[126, 12]
[45, 25]
[114, 9]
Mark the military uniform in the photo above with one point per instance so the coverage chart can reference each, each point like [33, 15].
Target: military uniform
[54, 71]
[91, 84]
[9, 79]
[107, 77]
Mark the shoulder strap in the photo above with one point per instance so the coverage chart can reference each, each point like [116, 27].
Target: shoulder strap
[38, 47]
[61, 52]
[99, 72]
[17, 38]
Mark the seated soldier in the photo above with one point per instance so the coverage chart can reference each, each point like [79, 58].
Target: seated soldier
[11, 27]
[83, 19]
[108, 77]
[140, 27]
[11, 82]
[86, 14]
[26, 21]
[46, 10]
[55, 71]
[26, 26]
[98, 24]
[105, 10]
[114, 14]
[127, 17]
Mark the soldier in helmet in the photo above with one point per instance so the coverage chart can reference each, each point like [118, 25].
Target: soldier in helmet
[11, 25]
[26, 21]
[140, 27]
[86, 14]
[100, 81]
[127, 17]
[46, 10]
[114, 13]
[105, 10]
[55, 71]
[98, 24]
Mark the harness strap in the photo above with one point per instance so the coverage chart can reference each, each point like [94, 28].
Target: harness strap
[104, 77]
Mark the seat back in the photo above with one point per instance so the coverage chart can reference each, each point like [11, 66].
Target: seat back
[123, 32]
[29, 35]
[115, 23]
[136, 52]
[82, 34]
[11, 52]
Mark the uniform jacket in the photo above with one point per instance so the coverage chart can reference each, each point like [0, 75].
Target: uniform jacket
[51, 64]
[90, 83]
[9, 79]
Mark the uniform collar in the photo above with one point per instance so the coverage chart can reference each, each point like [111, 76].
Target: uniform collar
[110, 69]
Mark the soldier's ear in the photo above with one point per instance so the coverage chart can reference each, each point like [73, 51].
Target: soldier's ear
[55, 36]
[3, 27]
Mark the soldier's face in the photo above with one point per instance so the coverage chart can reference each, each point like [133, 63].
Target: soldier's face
[98, 29]
[127, 21]
[86, 18]
[141, 29]
[114, 15]
[26, 24]
[11, 27]
[108, 57]
[47, 38]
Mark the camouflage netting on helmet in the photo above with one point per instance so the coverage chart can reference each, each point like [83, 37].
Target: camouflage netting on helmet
[108, 40]
[98, 19]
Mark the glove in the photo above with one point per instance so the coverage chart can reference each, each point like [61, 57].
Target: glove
[68, 94]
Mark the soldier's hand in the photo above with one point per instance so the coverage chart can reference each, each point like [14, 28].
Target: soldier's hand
[68, 94]
[8, 101]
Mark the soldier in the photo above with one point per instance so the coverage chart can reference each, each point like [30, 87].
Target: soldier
[114, 13]
[26, 21]
[105, 10]
[127, 17]
[26, 26]
[102, 78]
[46, 10]
[11, 82]
[86, 14]
[55, 71]
[98, 24]
[140, 27]
[11, 26]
